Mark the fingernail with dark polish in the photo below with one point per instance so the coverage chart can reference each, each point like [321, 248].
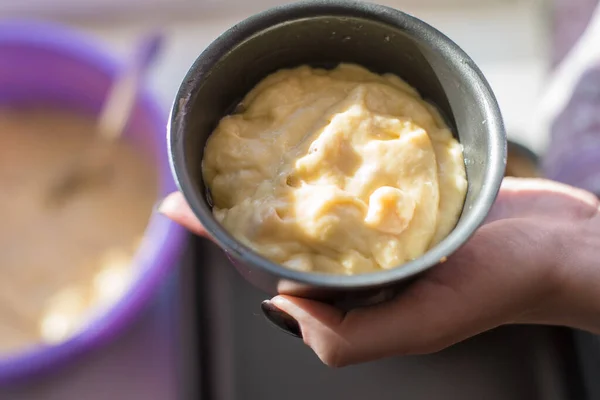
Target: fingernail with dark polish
[281, 319]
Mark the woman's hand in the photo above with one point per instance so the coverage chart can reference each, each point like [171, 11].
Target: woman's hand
[536, 260]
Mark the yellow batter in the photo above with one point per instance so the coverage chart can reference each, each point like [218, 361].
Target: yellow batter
[340, 171]
[61, 266]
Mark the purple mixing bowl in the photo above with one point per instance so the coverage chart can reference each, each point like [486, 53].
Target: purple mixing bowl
[42, 63]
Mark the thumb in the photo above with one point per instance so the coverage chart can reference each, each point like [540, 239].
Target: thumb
[176, 208]
[541, 198]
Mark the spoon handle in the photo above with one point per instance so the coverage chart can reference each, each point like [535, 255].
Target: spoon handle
[122, 95]
[112, 120]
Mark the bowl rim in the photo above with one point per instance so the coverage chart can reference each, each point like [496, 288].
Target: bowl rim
[163, 239]
[317, 8]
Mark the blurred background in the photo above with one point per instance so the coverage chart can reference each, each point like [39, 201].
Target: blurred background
[515, 42]
[511, 40]
[202, 336]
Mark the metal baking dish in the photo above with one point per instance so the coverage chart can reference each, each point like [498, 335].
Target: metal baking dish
[242, 357]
